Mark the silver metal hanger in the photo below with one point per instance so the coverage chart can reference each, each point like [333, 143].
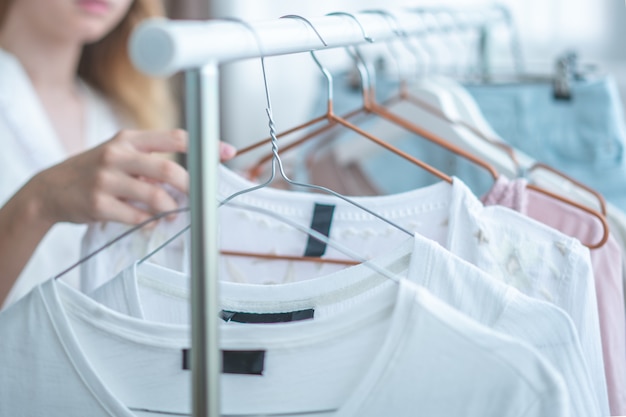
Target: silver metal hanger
[116, 239]
[276, 160]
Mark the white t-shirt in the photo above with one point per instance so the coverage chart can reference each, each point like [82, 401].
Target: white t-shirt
[157, 294]
[539, 261]
[395, 350]
[30, 144]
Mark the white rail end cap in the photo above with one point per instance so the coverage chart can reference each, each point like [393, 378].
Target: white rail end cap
[152, 49]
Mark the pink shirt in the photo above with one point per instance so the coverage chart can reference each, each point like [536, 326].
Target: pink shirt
[607, 270]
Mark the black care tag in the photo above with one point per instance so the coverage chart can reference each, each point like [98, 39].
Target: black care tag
[242, 362]
[321, 221]
[262, 318]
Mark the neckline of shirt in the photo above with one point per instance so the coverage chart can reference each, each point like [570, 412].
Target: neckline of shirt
[414, 257]
[64, 304]
[340, 286]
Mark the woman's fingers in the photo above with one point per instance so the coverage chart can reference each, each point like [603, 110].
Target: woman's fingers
[227, 151]
[151, 196]
[113, 209]
[172, 141]
[119, 180]
[156, 141]
[156, 169]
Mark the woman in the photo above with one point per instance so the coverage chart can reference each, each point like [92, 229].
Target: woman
[66, 85]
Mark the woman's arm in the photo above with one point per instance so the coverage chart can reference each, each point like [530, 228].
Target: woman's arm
[22, 227]
[96, 185]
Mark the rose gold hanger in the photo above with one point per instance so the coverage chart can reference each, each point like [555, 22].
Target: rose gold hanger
[596, 194]
[370, 106]
[255, 170]
[335, 119]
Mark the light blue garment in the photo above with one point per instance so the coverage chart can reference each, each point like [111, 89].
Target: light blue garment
[584, 136]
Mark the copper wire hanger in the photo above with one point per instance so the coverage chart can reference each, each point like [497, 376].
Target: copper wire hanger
[339, 120]
[405, 95]
[331, 116]
[546, 167]
[295, 128]
[370, 105]
[256, 169]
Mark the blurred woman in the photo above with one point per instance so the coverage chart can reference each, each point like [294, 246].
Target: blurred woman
[68, 95]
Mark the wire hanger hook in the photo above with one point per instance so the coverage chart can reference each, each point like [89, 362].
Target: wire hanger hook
[366, 81]
[323, 69]
[353, 17]
[401, 34]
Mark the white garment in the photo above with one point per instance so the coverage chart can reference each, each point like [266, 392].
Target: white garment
[395, 350]
[30, 144]
[157, 294]
[536, 259]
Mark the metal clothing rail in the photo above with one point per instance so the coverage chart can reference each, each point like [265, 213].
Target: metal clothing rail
[162, 47]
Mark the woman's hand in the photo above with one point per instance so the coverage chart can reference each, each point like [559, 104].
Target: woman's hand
[100, 184]
[96, 185]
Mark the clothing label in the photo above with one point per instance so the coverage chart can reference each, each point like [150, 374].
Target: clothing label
[242, 362]
[321, 221]
[259, 318]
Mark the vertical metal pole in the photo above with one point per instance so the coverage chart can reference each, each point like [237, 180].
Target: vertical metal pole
[202, 110]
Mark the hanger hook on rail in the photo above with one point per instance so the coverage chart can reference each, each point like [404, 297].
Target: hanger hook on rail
[431, 30]
[401, 34]
[367, 82]
[308, 22]
[353, 17]
[324, 70]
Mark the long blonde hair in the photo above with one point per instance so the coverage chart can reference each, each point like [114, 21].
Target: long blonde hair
[105, 65]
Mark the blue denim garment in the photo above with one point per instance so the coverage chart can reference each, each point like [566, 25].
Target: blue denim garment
[584, 136]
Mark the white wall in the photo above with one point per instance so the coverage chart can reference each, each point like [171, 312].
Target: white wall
[594, 28]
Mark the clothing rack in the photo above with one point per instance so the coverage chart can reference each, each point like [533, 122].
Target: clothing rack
[162, 47]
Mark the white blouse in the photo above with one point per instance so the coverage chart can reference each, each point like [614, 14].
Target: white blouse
[28, 145]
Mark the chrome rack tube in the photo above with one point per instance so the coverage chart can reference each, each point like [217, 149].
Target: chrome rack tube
[202, 108]
[163, 47]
